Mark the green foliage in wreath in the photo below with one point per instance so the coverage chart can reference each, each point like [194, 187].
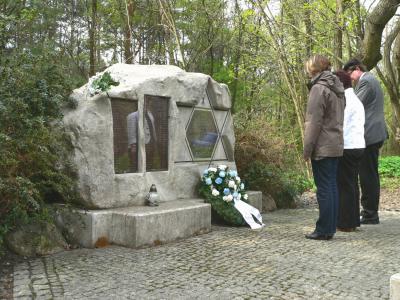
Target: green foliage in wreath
[221, 187]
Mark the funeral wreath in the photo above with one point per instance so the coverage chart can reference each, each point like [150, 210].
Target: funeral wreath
[221, 187]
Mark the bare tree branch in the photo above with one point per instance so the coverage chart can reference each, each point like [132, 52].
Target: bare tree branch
[375, 23]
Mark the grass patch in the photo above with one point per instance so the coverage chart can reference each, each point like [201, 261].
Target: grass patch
[389, 171]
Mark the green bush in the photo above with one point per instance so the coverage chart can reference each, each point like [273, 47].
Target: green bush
[389, 166]
[33, 148]
[268, 161]
[283, 187]
[389, 170]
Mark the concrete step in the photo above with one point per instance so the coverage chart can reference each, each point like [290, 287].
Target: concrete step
[395, 287]
[137, 226]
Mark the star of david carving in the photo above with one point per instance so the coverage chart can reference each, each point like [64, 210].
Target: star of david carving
[204, 130]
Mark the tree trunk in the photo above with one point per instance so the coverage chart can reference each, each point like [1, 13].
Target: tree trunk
[308, 25]
[168, 21]
[253, 79]
[237, 55]
[130, 9]
[375, 23]
[338, 37]
[92, 39]
[170, 49]
[390, 77]
[359, 26]
[288, 76]
[396, 56]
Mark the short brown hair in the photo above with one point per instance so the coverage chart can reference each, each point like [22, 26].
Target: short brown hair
[353, 64]
[344, 78]
[316, 64]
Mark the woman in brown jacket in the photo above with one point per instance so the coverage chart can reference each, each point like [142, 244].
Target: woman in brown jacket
[323, 141]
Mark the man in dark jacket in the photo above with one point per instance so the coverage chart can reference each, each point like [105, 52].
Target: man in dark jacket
[368, 89]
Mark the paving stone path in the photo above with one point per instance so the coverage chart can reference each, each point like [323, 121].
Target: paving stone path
[228, 263]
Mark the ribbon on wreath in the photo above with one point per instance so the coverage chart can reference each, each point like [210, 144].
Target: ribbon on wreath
[247, 211]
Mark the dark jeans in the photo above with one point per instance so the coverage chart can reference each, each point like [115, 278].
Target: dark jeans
[347, 181]
[325, 171]
[369, 181]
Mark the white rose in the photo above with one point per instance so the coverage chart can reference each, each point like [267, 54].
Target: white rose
[245, 197]
[231, 183]
[212, 169]
[215, 192]
[222, 167]
[227, 198]
[238, 179]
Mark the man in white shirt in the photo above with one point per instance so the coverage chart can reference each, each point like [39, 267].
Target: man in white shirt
[369, 91]
[354, 145]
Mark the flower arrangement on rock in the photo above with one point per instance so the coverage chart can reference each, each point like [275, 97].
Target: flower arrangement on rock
[221, 187]
[101, 83]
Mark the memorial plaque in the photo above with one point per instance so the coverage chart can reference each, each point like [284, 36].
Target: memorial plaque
[125, 118]
[202, 134]
[155, 125]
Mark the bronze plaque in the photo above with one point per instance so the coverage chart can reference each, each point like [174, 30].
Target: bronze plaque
[155, 126]
[125, 121]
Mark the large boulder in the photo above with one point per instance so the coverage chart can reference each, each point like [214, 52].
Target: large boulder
[40, 238]
[90, 126]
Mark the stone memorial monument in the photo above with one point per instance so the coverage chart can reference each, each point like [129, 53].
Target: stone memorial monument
[160, 125]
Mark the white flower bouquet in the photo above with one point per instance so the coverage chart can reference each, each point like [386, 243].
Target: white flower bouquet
[221, 187]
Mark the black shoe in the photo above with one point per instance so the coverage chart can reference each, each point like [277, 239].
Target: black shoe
[373, 221]
[319, 236]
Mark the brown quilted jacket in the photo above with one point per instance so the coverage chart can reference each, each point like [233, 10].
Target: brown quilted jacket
[323, 135]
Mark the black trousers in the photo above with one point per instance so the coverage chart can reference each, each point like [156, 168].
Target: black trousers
[347, 181]
[369, 181]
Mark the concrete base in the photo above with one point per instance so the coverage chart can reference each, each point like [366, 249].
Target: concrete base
[395, 287]
[255, 200]
[137, 226]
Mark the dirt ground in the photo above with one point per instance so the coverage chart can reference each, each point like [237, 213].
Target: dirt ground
[389, 200]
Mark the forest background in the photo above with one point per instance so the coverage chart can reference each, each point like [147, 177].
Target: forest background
[258, 48]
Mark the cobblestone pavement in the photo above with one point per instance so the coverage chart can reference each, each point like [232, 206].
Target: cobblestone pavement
[228, 263]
